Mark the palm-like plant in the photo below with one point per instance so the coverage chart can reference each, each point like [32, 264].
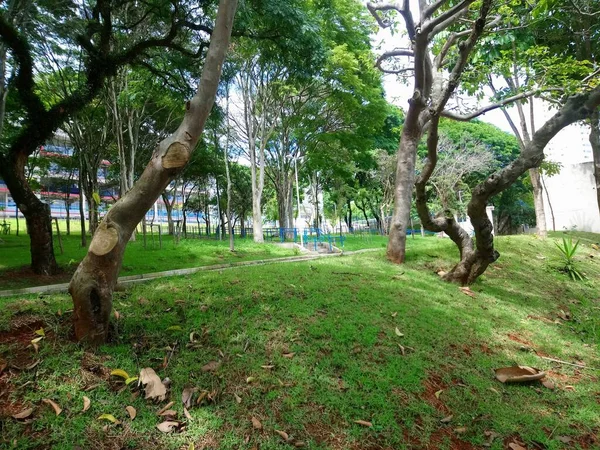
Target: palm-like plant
[568, 250]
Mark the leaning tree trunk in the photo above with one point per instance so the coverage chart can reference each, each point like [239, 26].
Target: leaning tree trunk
[576, 108]
[37, 214]
[92, 284]
[595, 142]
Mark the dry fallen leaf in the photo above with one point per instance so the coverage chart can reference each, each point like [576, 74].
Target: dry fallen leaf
[168, 412]
[211, 366]
[250, 380]
[516, 446]
[131, 411]
[548, 383]
[438, 393]
[37, 339]
[86, 403]
[467, 291]
[187, 395]
[447, 419]
[288, 355]
[108, 417]
[201, 397]
[268, 367]
[117, 314]
[394, 314]
[153, 386]
[460, 430]
[167, 426]
[57, 409]
[564, 439]
[283, 435]
[364, 423]
[256, 423]
[398, 333]
[23, 414]
[164, 408]
[238, 399]
[187, 413]
[299, 444]
[518, 374]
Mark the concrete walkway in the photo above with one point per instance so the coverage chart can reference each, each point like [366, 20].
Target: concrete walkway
[132, 279]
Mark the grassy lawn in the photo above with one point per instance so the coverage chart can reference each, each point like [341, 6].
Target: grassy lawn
[309, 348]
[15, 259]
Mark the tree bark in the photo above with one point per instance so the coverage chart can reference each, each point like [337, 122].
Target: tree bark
[37, 214]
[405, 179]
[538, 200]
[93, 283]
[577, 107]
[595, 143]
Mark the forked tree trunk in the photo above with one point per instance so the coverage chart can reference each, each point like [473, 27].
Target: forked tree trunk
[92, 284]
[37, 214]
[474, 262]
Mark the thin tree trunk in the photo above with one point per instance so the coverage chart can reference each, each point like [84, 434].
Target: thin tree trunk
[538, 200]
[82, 215]
[550, 203]
[92, 284]
[595, 143]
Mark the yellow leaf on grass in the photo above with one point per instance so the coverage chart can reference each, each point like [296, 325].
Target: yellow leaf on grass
[120, 373]
[128, 381]
[36, 340]
[438, 393]
[398, 333]
[108, 417]
[40, 332]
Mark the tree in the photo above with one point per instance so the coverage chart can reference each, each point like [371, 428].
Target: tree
[431, 95]
[93, 282]
[98, 34]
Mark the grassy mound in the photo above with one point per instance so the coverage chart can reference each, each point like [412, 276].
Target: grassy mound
[311, 348]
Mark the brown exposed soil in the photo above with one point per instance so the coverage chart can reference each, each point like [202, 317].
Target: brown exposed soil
[432, 384]
[21, 356]
[440, 439]
[516, 338]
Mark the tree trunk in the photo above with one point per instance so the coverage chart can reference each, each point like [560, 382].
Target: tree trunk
[349, 221]
[595, 142]
[550, 203]
[68, 211]
[538, 200]
[37, 214]
[82, 216]
[405, 178]
[92, 284]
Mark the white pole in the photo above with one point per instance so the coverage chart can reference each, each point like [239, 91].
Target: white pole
[298, 201]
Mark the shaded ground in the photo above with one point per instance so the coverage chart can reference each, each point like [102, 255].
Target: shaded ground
[310, 348]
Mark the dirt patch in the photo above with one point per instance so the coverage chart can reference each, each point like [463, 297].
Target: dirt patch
[516, 338]
[27, 278]
[432, 385]
[446, 435]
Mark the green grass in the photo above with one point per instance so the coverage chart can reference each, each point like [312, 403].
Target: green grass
[338, 317]
[14, 254]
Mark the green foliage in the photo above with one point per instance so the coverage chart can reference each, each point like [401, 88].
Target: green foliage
[567, 252]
